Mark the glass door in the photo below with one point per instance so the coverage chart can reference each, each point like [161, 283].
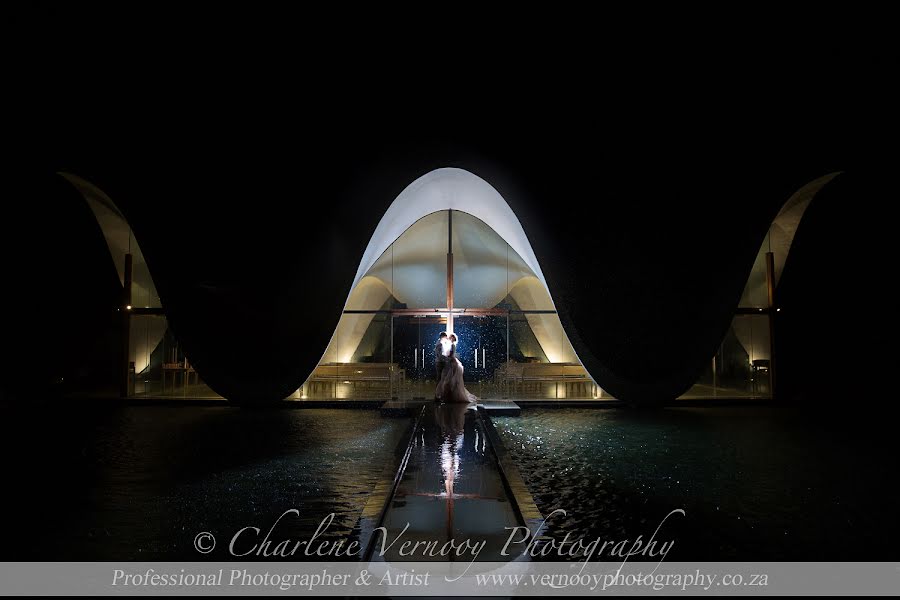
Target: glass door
[414, 339]
[482, 349]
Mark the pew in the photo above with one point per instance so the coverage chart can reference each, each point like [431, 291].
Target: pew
[369, 381]
[545, 380]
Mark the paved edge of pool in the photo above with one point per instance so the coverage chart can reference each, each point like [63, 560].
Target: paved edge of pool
[522, 501]
[379, 500]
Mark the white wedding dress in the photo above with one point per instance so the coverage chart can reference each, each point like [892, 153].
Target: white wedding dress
[451, 387]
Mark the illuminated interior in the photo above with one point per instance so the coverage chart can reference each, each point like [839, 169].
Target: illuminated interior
[743, 366]
[156, 362]
[448, 255]
[449, 271]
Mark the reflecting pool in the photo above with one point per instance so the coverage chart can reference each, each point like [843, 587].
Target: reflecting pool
[755, 483]
[140, 483]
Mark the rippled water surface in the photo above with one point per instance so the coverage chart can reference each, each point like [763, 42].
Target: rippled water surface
[755, 483]
[140, 483]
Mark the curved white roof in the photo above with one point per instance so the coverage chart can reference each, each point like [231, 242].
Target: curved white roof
[443, 189]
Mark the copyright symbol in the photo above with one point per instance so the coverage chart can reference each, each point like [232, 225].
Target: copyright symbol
[204, 542]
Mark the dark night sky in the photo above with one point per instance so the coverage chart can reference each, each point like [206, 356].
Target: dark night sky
[230, 167]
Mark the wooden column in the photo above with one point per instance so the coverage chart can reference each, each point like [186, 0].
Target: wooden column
[126, 327]
[770, 285]
[450, 272]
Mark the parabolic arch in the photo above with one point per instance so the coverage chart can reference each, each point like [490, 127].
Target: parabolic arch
[493, 266]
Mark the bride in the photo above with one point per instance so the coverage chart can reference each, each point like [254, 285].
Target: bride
[450, 387]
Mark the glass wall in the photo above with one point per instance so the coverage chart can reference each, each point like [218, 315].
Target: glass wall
[542, 362]
[483, 351]
[419, 259]
[357, 363]
[487, 273]
[741, 366]
[414, 339]
[411, 273]
[157, 366]
[143, 290]
[756, 292]
[481, 275]
[511, 342]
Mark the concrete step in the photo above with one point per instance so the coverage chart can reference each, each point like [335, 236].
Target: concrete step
[500, 408]
[402, 408]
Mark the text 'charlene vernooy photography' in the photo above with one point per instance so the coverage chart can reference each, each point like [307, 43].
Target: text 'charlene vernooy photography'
[491, 360]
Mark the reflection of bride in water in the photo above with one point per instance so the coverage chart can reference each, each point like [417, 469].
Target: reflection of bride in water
[451, 387]
[452, 420]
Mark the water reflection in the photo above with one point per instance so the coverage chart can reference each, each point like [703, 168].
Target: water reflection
[451, 418]
[451, 492]
[756, 483]
[138, 483]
